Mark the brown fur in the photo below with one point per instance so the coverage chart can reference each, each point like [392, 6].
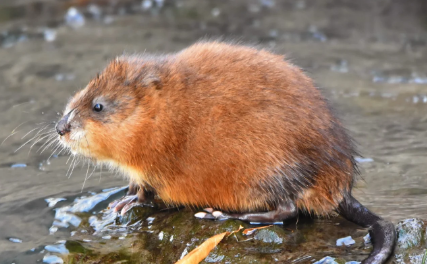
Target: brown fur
[219, 125]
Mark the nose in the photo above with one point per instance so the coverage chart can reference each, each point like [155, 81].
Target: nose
[62, 127]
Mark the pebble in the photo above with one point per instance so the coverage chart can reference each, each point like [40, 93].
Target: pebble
[347, 241]
[15, 240]
[74, 18]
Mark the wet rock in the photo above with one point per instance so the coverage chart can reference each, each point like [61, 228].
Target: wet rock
[51, 202]
[345, 241]
[410, 233]
[411, 241]
[270, 235]
[176, 233]
[168, 234]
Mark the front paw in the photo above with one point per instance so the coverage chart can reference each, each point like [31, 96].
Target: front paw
[124, 204]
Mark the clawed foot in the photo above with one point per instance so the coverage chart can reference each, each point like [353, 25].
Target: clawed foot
[125, 204]
[136, 196]
[210, 213]
[282, 212]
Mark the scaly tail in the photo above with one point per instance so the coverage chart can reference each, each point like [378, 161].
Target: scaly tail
[382, 232]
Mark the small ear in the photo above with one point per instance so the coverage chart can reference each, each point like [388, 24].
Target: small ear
[153, 80]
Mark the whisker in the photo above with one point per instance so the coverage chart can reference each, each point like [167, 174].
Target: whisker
[35, 136]
[30, 132]
[49, 136]
[78, 159]
[31, 139]
[13, 132]
[63, 148]
[87, 171]
[22, 104]
[88, 164]
[73, 165]
[58, 145]
[53, 129]
[76, 163]
[68, 160]
[41, 123]
[69, 167]
[87, 142]
[94, 167]
[50, 144]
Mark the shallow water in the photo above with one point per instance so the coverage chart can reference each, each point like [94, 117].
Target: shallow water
[368, 56]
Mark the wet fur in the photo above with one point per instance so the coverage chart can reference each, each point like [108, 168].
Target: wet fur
[218, 125]
[226, 126]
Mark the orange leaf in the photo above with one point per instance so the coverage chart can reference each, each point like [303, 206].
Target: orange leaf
[201, 252]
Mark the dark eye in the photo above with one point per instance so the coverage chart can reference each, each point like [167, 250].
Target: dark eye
[98, 107]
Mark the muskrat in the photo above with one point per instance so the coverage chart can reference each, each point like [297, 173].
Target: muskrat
[225, 126]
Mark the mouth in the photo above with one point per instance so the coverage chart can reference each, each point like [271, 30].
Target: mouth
[76, 142]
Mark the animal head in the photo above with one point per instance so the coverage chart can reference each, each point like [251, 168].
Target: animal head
[113, 112]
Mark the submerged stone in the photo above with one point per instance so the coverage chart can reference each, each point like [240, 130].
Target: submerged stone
[269, 236]
[410, 246]
[410, 233]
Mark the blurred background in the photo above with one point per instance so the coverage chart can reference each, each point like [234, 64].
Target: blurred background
[369, 57]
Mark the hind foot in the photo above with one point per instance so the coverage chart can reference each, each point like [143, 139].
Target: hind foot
[283, 212]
